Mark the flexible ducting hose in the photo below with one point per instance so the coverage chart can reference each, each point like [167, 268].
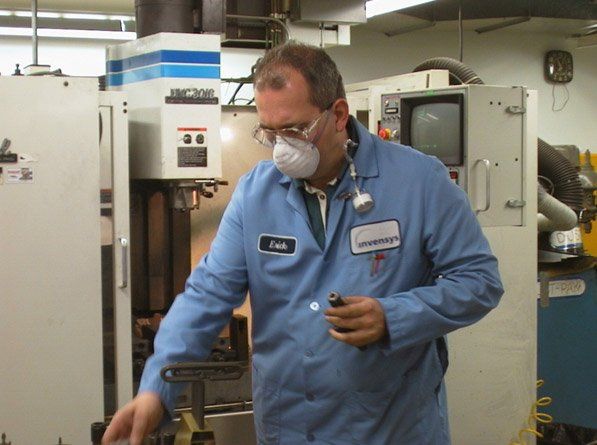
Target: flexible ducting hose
[459, 72]
[552, 165]
[563, 175]
[553, 213]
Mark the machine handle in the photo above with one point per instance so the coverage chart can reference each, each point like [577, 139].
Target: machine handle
[487, 184]
[124, 245]
[198, 371]
[544, 289]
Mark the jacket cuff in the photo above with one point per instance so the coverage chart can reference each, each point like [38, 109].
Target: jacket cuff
[390, 343]
[166, 391]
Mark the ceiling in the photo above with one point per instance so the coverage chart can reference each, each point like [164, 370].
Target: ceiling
[438, 10]
[573, 16]
[109, 6]
[441, 10]
[565, 17]
[394, 24]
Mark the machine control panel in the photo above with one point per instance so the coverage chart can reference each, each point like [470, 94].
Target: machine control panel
[192, 147]
[389, 125]
[457, 175]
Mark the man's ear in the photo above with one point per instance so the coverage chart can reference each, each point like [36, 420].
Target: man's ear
[340, 110]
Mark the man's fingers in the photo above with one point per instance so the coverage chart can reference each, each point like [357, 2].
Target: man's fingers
[135, 420]
[354, 338]
[362, 316]
[120, 427]
[356, 307]
[348, 323]
[139, 428]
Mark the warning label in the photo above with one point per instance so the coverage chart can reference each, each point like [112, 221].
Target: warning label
[19, 175]
[192, 156]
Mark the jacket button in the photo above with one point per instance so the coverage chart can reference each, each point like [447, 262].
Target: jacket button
[308, 354]
[310, 437]
[314, 305]
[310, 397]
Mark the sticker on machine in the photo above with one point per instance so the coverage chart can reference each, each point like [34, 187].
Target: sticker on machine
[373, 237]
[192, 96]
[575, 287]
[21, 175]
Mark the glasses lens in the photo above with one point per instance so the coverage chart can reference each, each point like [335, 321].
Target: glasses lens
[311, 131]
[290, 135]
[293, 133]
[264, 137]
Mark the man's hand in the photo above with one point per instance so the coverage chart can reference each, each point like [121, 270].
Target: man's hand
[363, 315]
[135, 420]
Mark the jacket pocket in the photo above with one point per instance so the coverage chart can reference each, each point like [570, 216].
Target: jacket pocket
[266, 409]
[367, 409]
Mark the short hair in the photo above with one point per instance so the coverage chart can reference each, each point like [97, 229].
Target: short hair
[315, 65]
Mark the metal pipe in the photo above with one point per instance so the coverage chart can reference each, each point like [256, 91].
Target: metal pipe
[262, 19]
[243, 406]
[321, 34]
[502, 24]
[34, 29]
[408, 29]
[198, 408]
[460, 40]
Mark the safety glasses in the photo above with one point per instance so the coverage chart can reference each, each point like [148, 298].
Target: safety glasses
[307, 132]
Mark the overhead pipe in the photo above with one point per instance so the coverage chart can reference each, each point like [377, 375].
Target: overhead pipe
[154, 16]
[262, 19]
[460, 34]
[459, 72]
[34, 29]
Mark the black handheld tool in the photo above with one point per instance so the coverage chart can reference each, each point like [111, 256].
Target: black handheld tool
[336, 300]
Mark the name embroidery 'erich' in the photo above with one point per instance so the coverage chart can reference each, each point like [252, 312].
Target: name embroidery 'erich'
[277, 245]
[374, 237]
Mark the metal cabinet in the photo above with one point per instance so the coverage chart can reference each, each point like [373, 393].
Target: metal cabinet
[51, 230]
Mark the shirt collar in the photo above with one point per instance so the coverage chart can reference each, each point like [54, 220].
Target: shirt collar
[309, 188]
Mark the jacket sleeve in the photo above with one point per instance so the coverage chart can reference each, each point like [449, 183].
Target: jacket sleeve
[215, 287]
[466, 282]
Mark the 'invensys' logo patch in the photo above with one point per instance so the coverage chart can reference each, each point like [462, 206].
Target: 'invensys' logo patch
[374, 237]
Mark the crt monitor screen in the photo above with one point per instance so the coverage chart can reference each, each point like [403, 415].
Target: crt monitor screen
[435, 129]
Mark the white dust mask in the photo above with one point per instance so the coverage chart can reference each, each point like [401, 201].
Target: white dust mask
[298, 159]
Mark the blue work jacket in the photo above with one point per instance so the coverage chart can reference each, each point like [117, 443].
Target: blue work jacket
[419, 250]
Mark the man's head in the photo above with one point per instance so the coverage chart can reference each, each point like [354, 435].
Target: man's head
[294, 85]
[314, 64]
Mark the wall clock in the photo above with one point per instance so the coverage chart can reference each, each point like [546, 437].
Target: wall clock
[558, 66]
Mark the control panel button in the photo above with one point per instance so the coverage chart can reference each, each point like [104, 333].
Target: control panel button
[384, 133]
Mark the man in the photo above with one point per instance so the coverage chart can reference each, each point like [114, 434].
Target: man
[413, 267]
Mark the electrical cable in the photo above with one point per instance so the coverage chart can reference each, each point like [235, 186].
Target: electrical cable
[535, 418]
[233, 98]
[553, 96]
[246, 99]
